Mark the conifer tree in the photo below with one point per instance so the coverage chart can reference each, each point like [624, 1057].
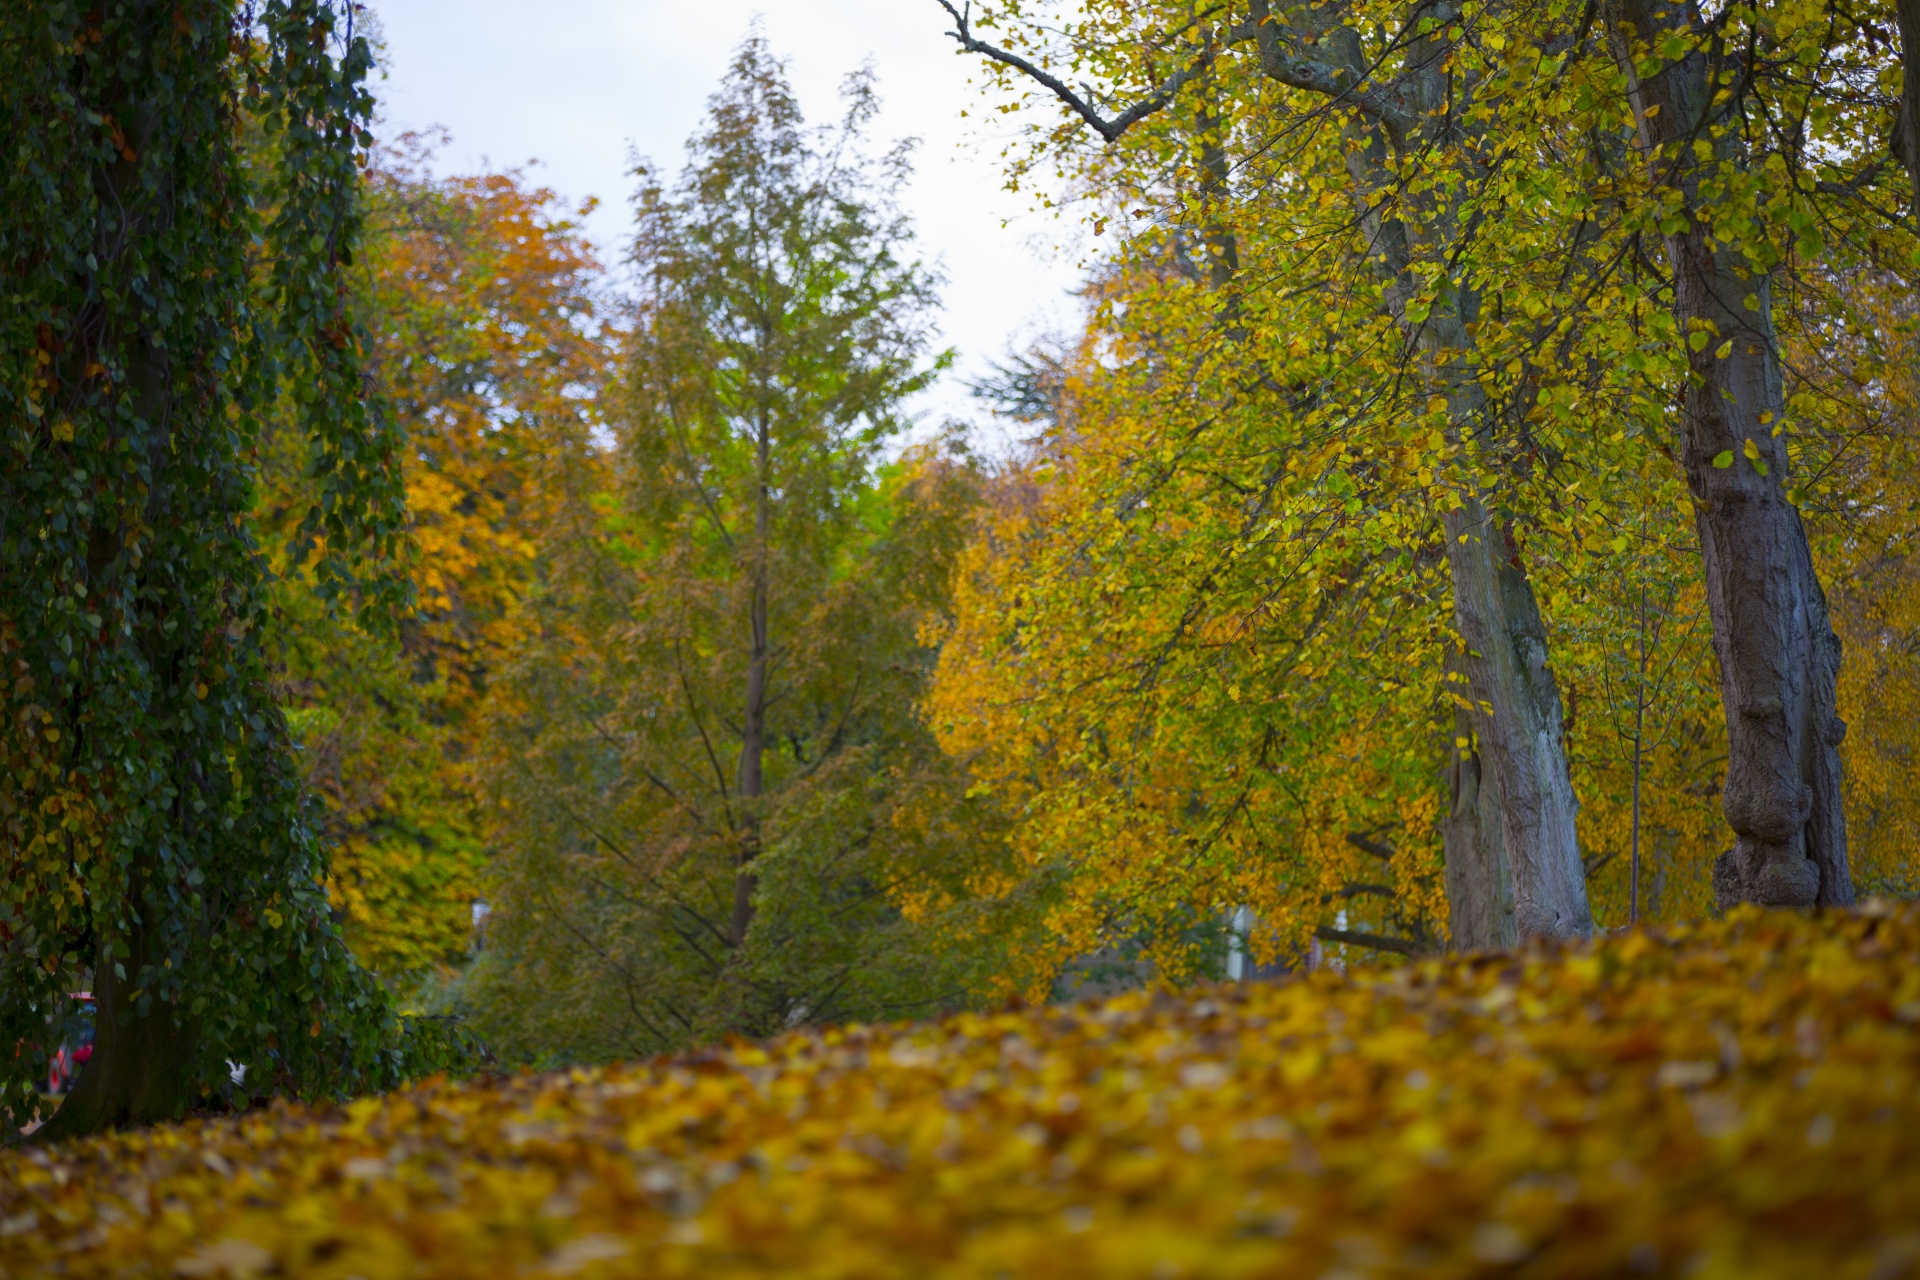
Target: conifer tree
[718, 810]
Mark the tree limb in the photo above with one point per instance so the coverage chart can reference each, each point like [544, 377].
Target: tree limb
[1358, 891]
[1280, 59]
[1373, 941]
[1108, 129]
[1367, 844]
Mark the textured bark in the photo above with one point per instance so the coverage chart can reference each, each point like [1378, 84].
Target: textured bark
[1779, 658]
[1517, 723]
[1479, 882]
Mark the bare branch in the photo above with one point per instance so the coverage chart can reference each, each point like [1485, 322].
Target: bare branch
[1358, 891]
[1372, 941]
[1367, 844]
[1109, 129]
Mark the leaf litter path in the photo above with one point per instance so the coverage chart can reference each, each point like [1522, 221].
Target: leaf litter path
[1739, 1098]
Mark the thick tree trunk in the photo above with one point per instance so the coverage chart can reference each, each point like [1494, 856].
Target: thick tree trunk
[141, 1071]
[1779, 658]
[1480, 907]
[1517, 725]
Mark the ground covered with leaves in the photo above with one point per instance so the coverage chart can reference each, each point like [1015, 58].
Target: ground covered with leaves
[1740, 1098]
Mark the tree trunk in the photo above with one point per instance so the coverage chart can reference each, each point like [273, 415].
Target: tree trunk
[753, 731]
[1779, 658]
[1480, 914]
[1517, 725]
[1906, 133]
[141, 1071]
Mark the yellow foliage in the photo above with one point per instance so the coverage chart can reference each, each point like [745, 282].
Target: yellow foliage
[479, 293]
[1735, 1099]
[1209, 647]
[1874, 568]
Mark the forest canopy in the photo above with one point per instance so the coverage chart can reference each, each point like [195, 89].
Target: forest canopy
[1473, 504]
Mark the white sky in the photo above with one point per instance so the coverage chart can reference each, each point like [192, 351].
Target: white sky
[571, 83]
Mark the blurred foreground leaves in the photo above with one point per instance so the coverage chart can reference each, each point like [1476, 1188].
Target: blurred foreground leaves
[1730, 1099]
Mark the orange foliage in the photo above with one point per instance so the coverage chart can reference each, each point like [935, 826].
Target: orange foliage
[481, 296]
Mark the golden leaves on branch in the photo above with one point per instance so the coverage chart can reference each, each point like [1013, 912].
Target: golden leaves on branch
[1737, 1098]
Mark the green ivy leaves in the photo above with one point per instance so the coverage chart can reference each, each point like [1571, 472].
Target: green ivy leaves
[149, 811]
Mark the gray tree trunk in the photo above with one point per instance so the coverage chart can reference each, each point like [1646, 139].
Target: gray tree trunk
[1517, 703]
[1480, 915]
[1779, 658]
[1517, 723]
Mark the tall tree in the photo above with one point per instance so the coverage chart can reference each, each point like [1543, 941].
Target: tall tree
[1404, 108]
[1692, 91]
[1483, 142]
[707, 754]
[780, 333]
[151, 824]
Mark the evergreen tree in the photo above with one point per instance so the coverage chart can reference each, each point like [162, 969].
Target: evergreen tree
[719, 811]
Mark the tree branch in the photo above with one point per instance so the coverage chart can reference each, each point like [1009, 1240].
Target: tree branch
[1367, 844]
[1358, 891]
[1281, 59]
[1373, 941]
[1108, 129]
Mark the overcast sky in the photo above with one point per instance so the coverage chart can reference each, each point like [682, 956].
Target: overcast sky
[572, 83]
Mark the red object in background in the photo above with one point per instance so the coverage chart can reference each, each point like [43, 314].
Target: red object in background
[69, 1058]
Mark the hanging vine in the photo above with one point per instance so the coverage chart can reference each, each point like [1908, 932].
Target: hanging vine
[153, 838]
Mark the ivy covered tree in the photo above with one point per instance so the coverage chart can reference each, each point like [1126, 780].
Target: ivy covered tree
[154, 842]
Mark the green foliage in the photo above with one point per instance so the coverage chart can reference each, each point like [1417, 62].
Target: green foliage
[717, 810]
[153, 834]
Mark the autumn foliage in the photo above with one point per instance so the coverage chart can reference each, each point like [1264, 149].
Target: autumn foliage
[1210, 650]
[1730, 1099]
[481, 297]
